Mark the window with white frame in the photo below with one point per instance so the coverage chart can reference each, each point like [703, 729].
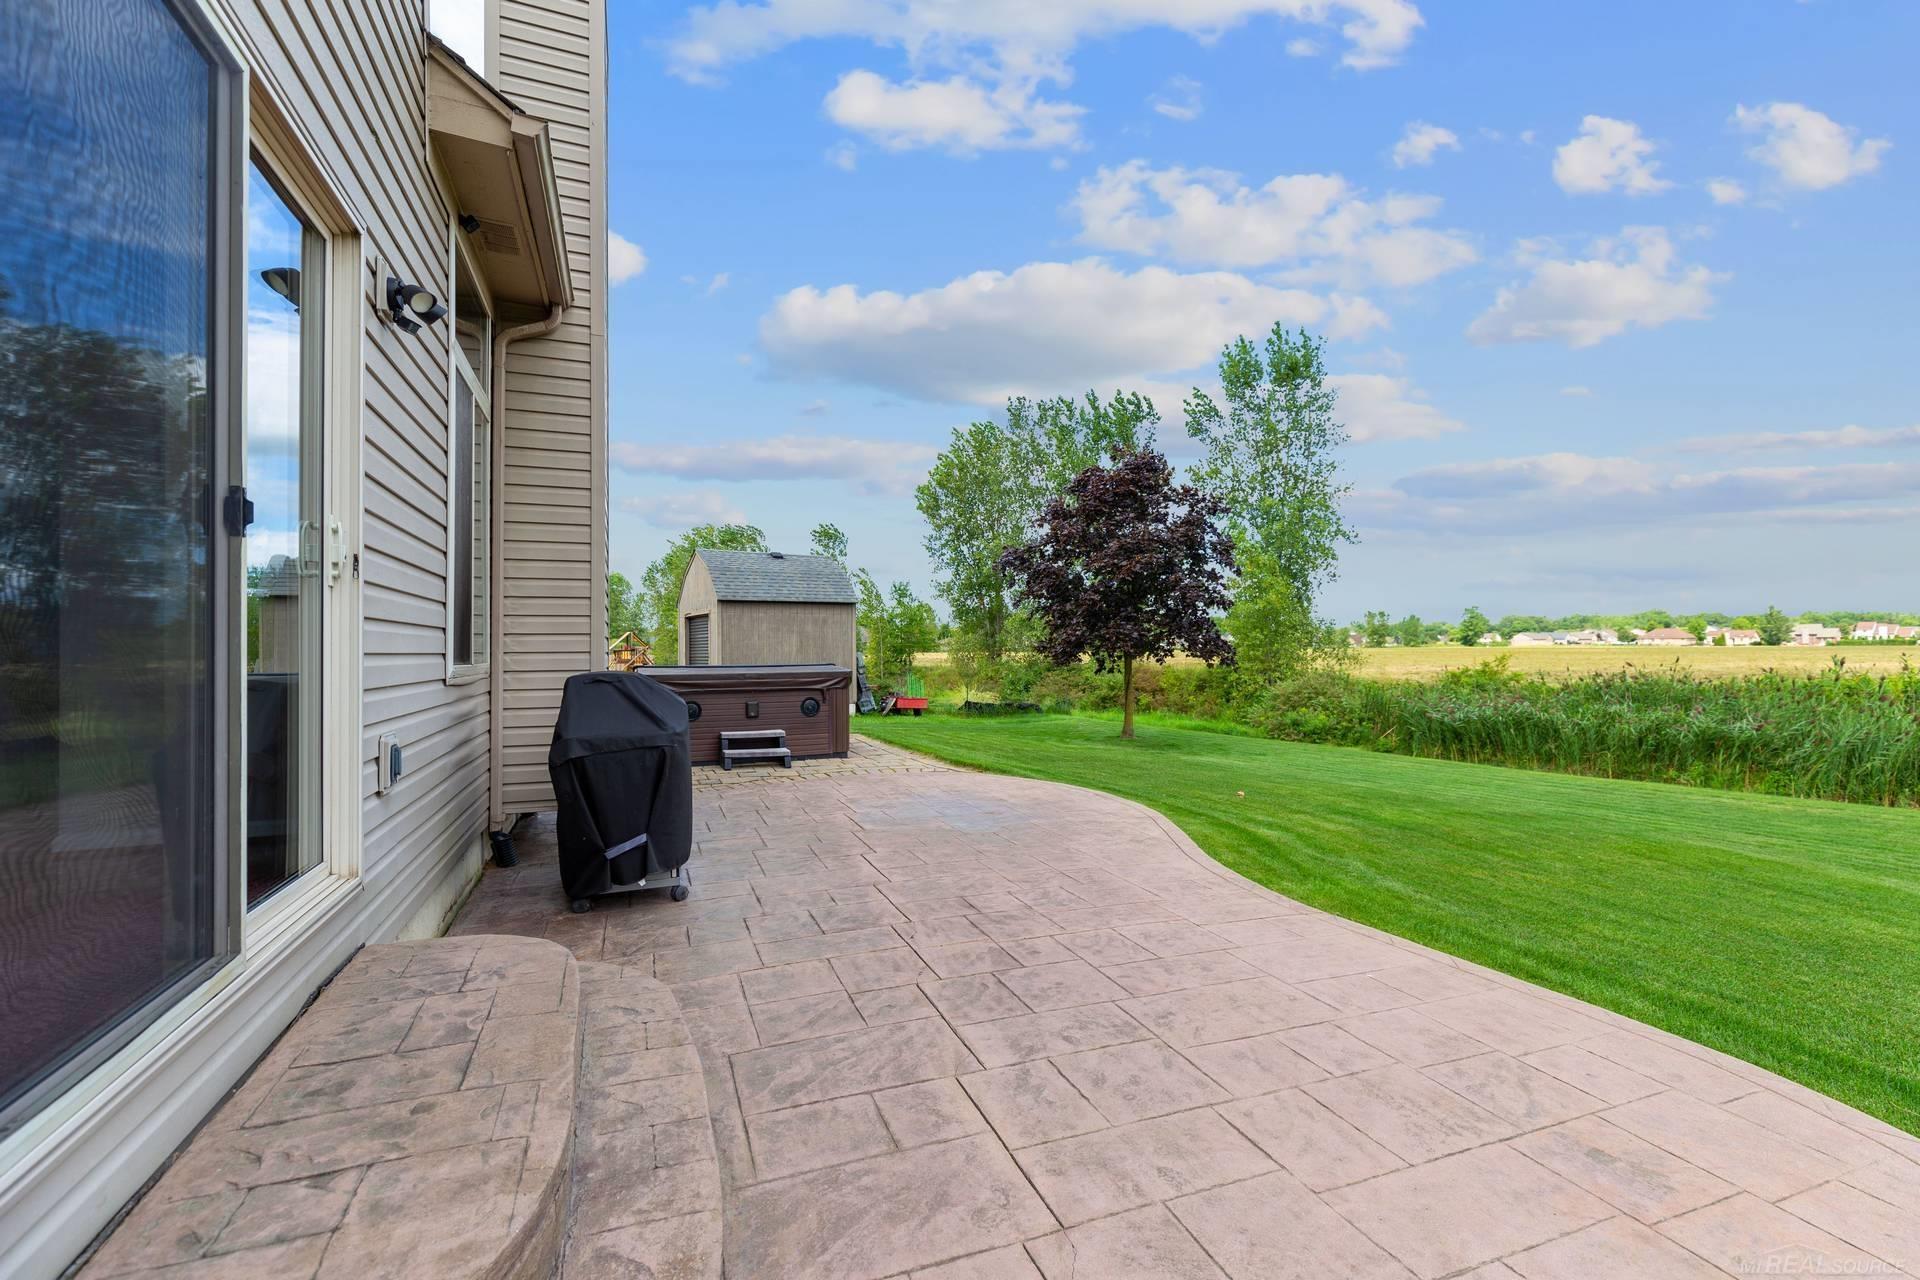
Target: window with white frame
[470, 475]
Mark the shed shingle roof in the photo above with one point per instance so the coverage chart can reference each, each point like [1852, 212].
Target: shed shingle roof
[771, 576]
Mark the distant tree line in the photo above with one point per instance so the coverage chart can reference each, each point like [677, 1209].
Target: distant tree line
[1774, 626]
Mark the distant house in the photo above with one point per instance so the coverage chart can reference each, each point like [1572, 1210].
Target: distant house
[1906, 633]
[1871, 629]
[1525, 639]
[1742, 636]
[1815, 635]
[1594, 635]
[1672, 637]
[1493, 637]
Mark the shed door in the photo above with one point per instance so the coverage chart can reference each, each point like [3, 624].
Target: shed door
[697, 641]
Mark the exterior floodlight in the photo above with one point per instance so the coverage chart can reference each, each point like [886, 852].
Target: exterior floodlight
[469, 223]
[411, 306]
[284, 281]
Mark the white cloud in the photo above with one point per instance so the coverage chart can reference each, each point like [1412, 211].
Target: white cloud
[1848, 437]
[1043, 329]
[1380, 358]
[1016, 32]
[844, 156]
[1630, 281]
[1504, 496]
[871, 466]
[1726, 191]
[683, 510]
[1375, 407]
[1180, 100]
[1419, 143]
[720, 281]
[960, 114]
[1608, 155]
[1807, 149]
[625, 259]
[1303, 47]
[1315, 226]
[977, 65]
[1576, 390]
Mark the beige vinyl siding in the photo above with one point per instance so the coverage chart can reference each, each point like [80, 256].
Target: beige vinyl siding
[548, 57]
[351, 80]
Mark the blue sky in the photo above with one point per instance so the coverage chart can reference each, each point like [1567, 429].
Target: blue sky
[1619, 294]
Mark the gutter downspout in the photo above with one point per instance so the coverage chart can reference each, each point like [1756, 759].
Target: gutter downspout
[496, 597]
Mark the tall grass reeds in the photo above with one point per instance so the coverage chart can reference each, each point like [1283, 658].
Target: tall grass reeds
[1831, 736]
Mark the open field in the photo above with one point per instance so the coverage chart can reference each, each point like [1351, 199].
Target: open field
[1785, 932]
[1428, 662]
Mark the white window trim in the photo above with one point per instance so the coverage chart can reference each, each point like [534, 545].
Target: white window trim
[458, 255]
[314, 196]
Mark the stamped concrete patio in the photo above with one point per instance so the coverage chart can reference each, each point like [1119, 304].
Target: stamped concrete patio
[960, 1027]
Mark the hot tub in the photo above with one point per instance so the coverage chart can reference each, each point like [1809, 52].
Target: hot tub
[808, 702]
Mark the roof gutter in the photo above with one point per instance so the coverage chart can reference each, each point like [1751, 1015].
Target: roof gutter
[497, 545]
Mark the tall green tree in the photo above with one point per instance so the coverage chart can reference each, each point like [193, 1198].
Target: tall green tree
[1127, 565]
[1473, 625]
[659, 594]
[624, 612]
[895, 625]
[990, 484]
[1775, 627]
[1065, 436]
[1410, 631]
[976, 501]
[1377, 628]
[827, 540]
[1270, 455]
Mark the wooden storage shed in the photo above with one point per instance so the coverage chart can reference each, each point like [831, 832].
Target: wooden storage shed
[756, 608]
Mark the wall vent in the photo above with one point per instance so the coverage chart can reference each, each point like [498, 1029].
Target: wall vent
[499, 237]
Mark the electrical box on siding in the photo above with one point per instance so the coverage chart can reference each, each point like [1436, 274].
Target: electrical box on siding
[389, 763]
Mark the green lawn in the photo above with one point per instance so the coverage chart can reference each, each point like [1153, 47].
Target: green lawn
[1785, 932]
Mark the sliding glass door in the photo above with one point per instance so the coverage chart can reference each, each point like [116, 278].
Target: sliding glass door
[114, 677]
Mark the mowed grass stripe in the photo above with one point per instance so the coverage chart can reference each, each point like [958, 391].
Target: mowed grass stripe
[1785, 932]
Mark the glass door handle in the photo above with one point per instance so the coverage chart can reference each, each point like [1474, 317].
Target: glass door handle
[336, 550]
[309, 549]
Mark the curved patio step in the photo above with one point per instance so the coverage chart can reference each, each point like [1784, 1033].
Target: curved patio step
[416, 1120]
[646, 1185]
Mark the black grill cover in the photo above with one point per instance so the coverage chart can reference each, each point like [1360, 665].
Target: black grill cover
[620, 769]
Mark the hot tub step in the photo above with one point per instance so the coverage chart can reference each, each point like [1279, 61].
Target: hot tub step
[730, 736]
[730, 754]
